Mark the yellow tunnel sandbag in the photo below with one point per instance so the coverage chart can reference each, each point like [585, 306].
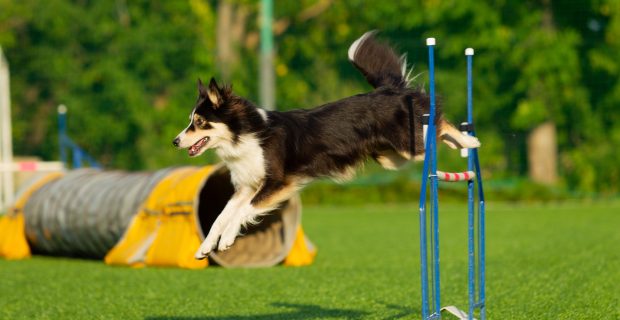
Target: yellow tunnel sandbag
[13, 243]
[175, 244]
[132, 248]
[303, 251]
[178, 239]
[144, 227]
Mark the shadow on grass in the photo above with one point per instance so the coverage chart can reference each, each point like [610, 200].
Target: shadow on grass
[299, 312]
[403, 312]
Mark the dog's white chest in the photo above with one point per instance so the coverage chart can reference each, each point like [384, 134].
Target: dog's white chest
[245, 160]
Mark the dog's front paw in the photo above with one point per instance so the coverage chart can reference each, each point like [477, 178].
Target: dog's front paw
[207, 246]
[470, 142]
[229, 236]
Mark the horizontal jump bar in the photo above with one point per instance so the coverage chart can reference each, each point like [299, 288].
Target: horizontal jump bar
[455, 176]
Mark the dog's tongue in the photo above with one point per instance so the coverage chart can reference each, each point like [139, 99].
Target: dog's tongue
[193, 150]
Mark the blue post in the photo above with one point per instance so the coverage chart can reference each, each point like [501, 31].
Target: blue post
[62, 133]
[470, 195]
[430, 172]
[423, 254]
[432, 133]
[481, 240]
[475, 277]
[77, 158]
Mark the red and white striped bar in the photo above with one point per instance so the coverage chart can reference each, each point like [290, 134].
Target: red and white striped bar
[455, 176]
[32, 166]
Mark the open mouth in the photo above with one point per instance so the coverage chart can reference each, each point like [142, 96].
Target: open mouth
[197, 147]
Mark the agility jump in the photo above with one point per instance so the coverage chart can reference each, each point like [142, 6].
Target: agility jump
[431, 309]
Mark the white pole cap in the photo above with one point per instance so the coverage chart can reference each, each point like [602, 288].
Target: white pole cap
[430, 41]
[469, 51]
[62, 109]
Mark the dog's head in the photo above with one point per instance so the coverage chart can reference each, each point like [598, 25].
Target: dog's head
[207, 128]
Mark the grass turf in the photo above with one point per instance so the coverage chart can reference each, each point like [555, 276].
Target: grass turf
[544, 262]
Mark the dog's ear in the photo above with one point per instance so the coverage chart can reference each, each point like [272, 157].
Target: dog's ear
[202, 89]
[214, 94]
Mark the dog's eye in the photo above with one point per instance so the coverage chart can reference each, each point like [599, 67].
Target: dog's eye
[200, 122]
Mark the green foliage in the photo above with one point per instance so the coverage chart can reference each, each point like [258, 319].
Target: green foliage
[125, 76]
[127, 72]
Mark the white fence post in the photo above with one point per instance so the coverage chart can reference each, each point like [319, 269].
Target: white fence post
[6, 148]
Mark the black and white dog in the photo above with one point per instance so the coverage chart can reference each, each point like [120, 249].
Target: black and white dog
[271, 155]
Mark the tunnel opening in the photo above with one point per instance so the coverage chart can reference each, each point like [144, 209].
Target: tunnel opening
[213, 197]
[263, 244]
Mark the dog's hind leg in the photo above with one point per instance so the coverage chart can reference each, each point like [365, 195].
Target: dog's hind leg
[454, 138]
[391, 160]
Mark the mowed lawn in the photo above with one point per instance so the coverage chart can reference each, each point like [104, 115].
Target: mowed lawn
[559, 261]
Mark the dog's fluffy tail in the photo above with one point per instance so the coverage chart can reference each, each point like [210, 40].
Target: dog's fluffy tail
[379, 62]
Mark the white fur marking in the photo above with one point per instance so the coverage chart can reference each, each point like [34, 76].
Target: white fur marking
[181, 135]
[405, 155]
[345, 175]
[263, 113]
[387, 163]
[191, 119]
[244, 159]
[406, 74]
[355, 45]
[403, 65]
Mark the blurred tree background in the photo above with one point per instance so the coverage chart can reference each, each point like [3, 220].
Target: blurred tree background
[547, 76]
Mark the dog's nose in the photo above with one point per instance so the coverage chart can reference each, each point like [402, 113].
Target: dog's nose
[175, 142]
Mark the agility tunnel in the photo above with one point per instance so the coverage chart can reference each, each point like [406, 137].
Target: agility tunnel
[145, 219]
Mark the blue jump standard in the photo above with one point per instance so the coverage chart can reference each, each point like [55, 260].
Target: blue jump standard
[476, 232]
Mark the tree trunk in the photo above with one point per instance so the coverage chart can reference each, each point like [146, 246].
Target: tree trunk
[542, 144]
[231, 22]
[542, 154]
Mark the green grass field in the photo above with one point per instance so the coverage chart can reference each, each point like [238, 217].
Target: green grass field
[544, 262]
